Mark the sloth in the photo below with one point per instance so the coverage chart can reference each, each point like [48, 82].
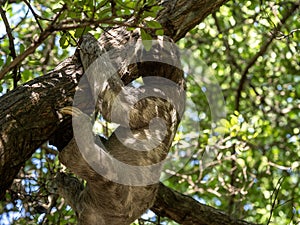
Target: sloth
[147, 115]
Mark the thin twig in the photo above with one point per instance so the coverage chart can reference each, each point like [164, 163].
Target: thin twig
[36, 16]
[12, 49]
[275, 195]
[18, 24]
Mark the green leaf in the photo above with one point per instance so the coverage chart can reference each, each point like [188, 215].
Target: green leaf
[79, 32]
[148, 14]
[63, 41]
[153, 24]
[146, 39]
[156, 8]
[221, 130]
[225, 123]
[159, 32]
[233, 120]
[26, 75]
[145, 35]
[130, 28]
[22, 48]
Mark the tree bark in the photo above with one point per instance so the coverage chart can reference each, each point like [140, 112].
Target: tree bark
[29, 115]
[179, 17]
[185, 210]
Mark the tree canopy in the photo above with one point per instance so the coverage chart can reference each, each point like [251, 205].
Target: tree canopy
[240, 156]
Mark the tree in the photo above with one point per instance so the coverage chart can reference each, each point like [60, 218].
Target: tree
[253, 143]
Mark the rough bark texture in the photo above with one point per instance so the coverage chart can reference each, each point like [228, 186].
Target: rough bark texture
[29, 115]
[185, 210]
[180, 16]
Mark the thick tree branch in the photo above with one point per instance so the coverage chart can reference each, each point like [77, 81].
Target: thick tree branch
[28, 116]
[177, 207]
[178, 17]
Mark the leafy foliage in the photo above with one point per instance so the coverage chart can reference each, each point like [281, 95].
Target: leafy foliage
[246, 164]
[255, 171]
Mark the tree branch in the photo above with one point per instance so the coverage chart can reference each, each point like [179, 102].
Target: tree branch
[36, 16]
[178, 17]
[11, 45]
[22, 111]
[177, 207]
